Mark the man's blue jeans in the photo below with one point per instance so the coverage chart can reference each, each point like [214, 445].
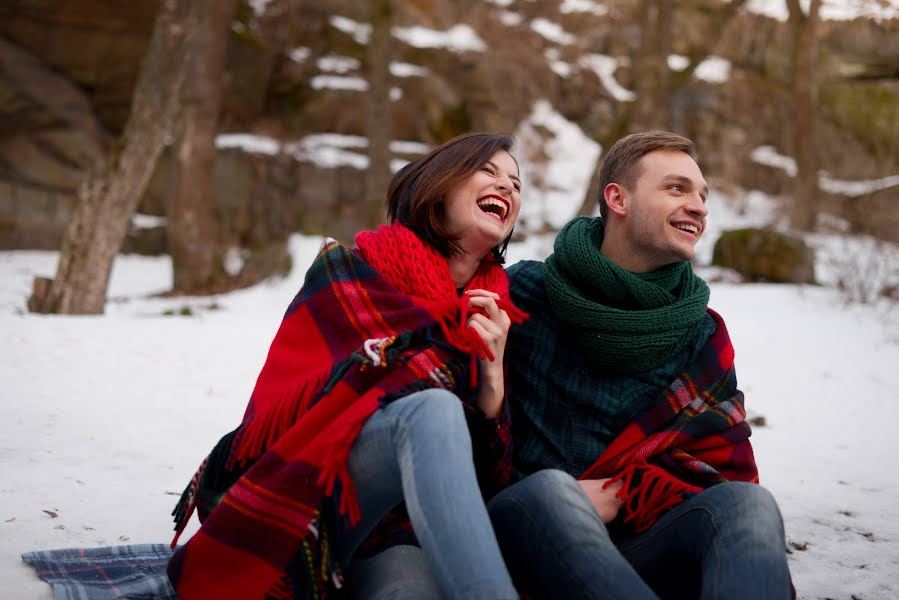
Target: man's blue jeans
[418, 449]
[726, 542]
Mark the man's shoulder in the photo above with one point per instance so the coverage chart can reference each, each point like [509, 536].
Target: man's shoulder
[526, 282]
[526, 270]
[709, 343]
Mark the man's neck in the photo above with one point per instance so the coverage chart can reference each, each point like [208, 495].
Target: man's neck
[620, 253]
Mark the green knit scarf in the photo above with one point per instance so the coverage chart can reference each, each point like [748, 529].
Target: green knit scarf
[625, 322]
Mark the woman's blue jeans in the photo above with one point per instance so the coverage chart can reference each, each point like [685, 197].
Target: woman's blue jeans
[417, 449]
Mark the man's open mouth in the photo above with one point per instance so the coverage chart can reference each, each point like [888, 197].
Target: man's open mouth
[688, 227]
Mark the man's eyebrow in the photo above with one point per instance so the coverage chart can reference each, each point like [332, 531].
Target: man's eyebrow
[687, 180]
[495, 166]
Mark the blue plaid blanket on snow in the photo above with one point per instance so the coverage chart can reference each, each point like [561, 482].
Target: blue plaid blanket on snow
[111, 573]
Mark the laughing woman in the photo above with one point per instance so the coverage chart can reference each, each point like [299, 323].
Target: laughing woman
[383, 385]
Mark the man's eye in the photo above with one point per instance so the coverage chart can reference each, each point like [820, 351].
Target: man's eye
[677, 187]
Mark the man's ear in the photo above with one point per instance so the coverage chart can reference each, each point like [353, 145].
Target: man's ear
[616, 199]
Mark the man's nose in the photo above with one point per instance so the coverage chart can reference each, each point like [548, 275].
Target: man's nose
[697, 206]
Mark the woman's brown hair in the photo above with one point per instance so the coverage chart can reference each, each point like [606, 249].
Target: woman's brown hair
[416, 193]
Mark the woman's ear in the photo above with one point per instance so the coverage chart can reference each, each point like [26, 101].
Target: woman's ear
[616, 199]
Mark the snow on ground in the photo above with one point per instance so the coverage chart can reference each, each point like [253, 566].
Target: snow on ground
[552, 32]
[559, 67]
[335, 63]
[248, 142]
[678, 62]
[459, 38]
[335, 82]
[713, 69]
[299, 54]
[769, 156]
[107, 417]
[833, 10]
[360, 32]
[556, 160]
[403, 69]
[327, 150]
[582, 6]
[510, 19]
[605, 66]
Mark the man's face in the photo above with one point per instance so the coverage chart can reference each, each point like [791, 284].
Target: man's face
[666, 209]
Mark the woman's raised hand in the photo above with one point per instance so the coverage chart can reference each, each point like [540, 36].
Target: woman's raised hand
[492, 324]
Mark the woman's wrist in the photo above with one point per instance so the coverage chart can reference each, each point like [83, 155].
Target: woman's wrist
[490, 399]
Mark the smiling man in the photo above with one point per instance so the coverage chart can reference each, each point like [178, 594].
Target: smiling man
[624, 379]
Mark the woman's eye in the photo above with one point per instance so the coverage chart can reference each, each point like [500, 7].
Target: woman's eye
[488, 170]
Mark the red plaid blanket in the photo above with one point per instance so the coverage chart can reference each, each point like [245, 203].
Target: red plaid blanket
[694, 436]
[362, 331]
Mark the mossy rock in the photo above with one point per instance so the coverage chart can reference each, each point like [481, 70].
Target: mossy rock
[869, 110]
[765, 255]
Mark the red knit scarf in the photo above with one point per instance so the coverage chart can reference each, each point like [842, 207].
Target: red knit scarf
[419, 271]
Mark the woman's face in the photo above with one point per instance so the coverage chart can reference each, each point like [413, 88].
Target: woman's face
[483, 208]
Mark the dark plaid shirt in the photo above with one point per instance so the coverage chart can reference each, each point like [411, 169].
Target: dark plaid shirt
[565, 412]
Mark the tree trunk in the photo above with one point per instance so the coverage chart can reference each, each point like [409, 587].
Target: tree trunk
[650, 107]
[651, 66]
[379, 119]
[114, 187]
[805, 105]
[192, 230]
[654, 82]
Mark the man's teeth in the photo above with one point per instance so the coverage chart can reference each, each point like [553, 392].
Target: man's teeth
[691, 228]
[500, 211]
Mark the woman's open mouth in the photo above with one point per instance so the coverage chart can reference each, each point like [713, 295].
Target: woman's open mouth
[495, 206]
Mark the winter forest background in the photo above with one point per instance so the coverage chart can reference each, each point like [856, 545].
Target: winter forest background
[169, 166]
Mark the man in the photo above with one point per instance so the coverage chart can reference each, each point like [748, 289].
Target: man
[624, 379]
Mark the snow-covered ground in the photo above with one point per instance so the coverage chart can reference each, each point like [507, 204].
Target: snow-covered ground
[105, 418]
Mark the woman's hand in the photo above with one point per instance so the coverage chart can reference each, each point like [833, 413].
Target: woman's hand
[493, 326]
[604, 500]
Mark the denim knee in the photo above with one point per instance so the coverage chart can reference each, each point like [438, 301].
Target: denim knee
[745, 505]
[541, 491]
[435, 410]
[551, 497]
[397, 573]
[758, 506]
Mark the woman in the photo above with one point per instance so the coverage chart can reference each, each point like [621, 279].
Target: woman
[357, 407]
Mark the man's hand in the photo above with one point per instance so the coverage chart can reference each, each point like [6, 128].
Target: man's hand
[493, 327]
[604, 500]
